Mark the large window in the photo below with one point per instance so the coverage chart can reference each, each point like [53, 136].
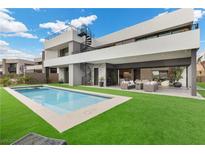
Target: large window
[63, 52]
[160, 75]
[53, 70]
[12, 68]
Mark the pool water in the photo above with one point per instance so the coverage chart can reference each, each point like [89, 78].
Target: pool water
[60, 101]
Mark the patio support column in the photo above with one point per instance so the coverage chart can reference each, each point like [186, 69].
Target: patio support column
[75, 74]
[47, 74]
[4, 67]
[187, 80]
[193, 72]
[118, 76]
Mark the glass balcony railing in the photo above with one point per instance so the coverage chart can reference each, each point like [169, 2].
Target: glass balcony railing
[60, 32]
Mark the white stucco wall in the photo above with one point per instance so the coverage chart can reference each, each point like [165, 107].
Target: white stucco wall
[156, 24]
[67, 36]
[51, 54]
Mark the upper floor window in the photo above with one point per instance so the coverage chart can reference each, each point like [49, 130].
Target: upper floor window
[13, 65]
[63, 52]
[12, 68]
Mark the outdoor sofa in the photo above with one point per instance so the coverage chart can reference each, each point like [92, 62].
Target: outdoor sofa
[151, 86]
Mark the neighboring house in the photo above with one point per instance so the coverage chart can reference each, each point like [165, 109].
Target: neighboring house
[201, 68]
[15, 66]
[36, 67]
[141, 51]
[1, 69]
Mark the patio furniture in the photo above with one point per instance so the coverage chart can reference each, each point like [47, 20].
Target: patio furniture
[143, 82]
[127, 85]
[36, 139]
[177, 84]
[165, 83]
[150, 86]
[121, 80]
[138, 85]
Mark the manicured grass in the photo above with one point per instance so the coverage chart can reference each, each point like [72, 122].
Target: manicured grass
[145, 119]
[201, 84]
[202, 92]
[17, 120]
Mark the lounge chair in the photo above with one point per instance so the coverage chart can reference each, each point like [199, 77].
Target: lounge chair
[36, 139]
[165, 83]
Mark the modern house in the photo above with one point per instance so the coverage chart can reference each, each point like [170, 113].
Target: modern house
[16, 66]
[36, 67]
[142, 51]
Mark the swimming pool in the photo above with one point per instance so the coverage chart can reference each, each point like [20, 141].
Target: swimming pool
[60, 101]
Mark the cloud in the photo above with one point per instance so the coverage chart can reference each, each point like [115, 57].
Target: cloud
[198, 14]
[10, 27]
[42, 40]
[58, 26]
[83, 21]
[7, 52]
[21, 34]
[54, 26]
[36, 9]
[4, 10]
[3, 43]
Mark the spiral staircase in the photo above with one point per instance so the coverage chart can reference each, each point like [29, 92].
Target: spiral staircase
[85, 31]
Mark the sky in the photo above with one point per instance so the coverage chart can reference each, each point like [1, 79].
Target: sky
[22, 31]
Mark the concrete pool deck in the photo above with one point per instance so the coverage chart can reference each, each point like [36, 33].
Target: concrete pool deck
[167, 91]
[69, 120]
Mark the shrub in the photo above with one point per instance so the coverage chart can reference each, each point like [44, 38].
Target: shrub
[6, 81]
[20, 79]
[27, 79]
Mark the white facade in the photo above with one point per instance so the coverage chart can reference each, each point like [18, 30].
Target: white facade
[174, 46]
[36, 66]
[16, 66]
[163, 38]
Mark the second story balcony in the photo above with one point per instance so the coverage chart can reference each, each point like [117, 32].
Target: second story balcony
[174, 43]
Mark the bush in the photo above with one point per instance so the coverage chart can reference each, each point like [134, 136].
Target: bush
[27, 79]
[13, 79]
[20, 79]
[6, 81]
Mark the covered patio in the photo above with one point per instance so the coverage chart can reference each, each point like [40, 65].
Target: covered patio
[155, 70]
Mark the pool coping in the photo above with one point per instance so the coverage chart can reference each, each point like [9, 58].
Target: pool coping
[64, 122]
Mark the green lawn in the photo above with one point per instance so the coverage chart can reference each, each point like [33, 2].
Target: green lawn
[201, 84]
[202, 93]
[145, 119]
